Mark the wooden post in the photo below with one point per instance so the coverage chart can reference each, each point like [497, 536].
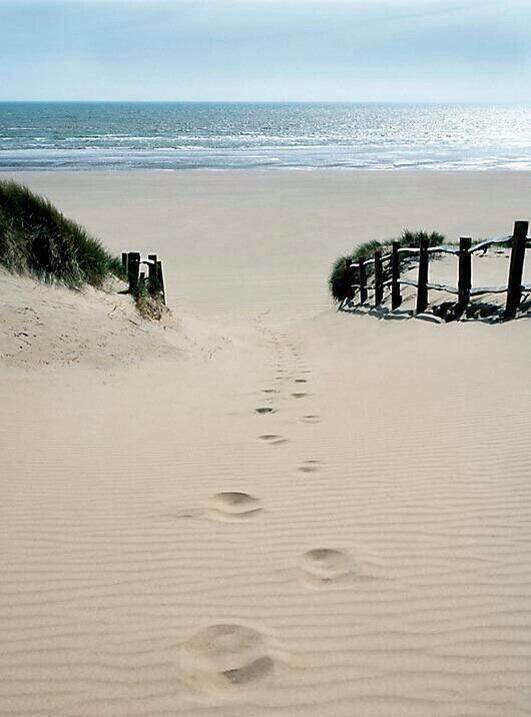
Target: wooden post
[464, 283]
[133, 267]
[516, 267]
[124, 261]
[363, 281]
[396, 297]
[160, 280]
[422, 289]
[349, 279]
[152, 274]
[378, 278]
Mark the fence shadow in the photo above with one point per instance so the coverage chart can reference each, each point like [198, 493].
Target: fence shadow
[382, 313]
[492, 313]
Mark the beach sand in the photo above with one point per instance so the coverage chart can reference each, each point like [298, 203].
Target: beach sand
[264, 507]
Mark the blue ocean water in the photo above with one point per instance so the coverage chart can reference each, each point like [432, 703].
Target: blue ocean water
[289, 135]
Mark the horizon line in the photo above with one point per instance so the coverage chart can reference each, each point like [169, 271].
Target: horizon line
[269, 102]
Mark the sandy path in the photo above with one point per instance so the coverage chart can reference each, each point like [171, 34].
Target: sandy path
[368, 554]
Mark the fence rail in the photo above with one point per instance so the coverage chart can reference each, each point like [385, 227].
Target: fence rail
[464, 291]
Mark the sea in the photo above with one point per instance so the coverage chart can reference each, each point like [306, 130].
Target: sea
[304, 136]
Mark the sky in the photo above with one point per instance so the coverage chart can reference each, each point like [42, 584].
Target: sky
[266, 50]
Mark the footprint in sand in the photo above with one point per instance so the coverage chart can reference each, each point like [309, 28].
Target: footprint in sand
[269, 390]
[273, 439]
[309, 467]
[233, 507]
[263, 410]
[226, 658]
[327, 567]
[299, 395]
[301, 380]
[311, 418]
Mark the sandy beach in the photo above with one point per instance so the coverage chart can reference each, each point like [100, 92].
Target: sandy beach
[263, 507]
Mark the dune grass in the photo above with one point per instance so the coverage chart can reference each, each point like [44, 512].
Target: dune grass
[339, 282]
[37, 239]
[149, 301]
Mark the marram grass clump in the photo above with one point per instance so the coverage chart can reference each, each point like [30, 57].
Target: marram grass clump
[339, 282]
[149, 301]
[36, 239]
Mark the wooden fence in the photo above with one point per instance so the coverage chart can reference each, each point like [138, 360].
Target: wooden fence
[464, 291]
[133, 264]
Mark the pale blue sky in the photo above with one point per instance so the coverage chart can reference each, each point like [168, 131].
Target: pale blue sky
[348, 50]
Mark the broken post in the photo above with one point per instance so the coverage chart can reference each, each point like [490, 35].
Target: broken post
[160, 281]
[153, 286]
[133, 267]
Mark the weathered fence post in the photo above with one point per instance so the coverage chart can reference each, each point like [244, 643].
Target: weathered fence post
[516, 267]
[378, 278]
[422, 288]
[396, 298]
[349, 278]
[133, 267]
[465, 274]
[152, 273]
[160, 280]
[124, 261]
[363, 281]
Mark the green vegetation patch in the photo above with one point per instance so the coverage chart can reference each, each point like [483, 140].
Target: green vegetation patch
[339, 281]
[36, 239]
[149, 302]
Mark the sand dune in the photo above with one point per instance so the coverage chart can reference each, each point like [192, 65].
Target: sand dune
[320, 514]
[43, 325]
